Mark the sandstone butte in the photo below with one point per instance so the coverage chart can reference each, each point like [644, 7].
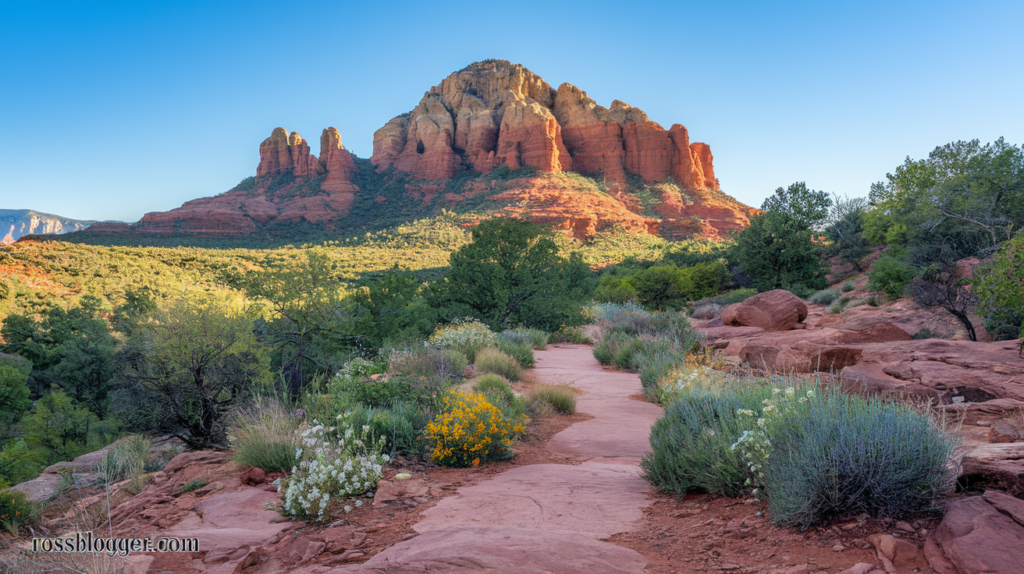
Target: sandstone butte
[490, 114]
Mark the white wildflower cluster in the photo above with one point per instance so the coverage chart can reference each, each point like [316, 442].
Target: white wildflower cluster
[688, 378]
[331, 462]
[461, 331]
[754, 445]
[357, 368]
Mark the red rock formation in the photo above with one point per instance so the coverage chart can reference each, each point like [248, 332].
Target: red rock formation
[242, 212]
[282, 152]
[496, 113]
[337, 161]
[489, 114]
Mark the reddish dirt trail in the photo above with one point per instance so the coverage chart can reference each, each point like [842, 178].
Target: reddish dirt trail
[547, 517]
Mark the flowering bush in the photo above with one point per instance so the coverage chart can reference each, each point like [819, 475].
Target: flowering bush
[690, 377]
[755, 445]
[359, 368]
[459, 332]
[470, 430]
[331, 461]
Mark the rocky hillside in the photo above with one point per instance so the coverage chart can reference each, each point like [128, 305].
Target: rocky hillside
[493, 131]
[17, 223]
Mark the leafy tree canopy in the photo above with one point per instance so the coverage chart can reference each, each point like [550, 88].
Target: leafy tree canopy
[511, 274]
[965, 196]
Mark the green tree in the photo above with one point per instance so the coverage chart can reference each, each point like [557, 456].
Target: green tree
[58, 428]
[391, 308]
[891, 276]
[664, 287]
[72, 348]
[1000, 290]
[778, 250]
[805, 207]
[14, 393]
[845, 230]
[198, 357]
[311, 328]
[511, 274]
[964, 196]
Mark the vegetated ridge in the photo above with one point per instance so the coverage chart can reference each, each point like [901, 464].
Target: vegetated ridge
[17, 223]
[493, 138]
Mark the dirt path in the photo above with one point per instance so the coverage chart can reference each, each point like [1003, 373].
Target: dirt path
[547, 517]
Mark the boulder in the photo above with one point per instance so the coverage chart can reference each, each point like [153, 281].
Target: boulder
[978, 538]
[776, 310]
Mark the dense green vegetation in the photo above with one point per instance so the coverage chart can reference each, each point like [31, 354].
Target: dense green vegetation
[232, 345]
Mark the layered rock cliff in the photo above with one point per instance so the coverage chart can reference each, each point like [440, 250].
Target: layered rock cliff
[496, 113]
[17, 223]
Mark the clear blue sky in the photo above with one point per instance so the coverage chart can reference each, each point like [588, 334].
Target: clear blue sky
[113, 109]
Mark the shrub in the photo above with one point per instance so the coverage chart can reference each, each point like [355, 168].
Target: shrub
[735, 296]
[470, 430]
[493, 384]
[614, 290]
[561, 397]
[926, 333]
[824, 297]
[654, 367]
[331, 462]
[522, 352]
[705, 279]
[890, 276]
[1000, 289]
[360, 368]
[382, 392]
[492, 360]
[262, 435]
[690, 444]
[847, 455]
[16, 511]
[399, 426]
[615, 312]
[535, 337]
[465, 335]
[192, 486]
[570, 335]
[432, 365]
[847, 287]
[685, 377]
[126, 459]
[706, 311]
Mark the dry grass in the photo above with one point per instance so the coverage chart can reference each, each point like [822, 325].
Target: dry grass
[562, 398]
[262, 435]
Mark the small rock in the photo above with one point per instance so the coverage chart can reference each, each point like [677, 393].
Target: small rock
[254, 476]
[403, 476]
[862, 544]
[859, 568]
[904, 526]
[838, 547]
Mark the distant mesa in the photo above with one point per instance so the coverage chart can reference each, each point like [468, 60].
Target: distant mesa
[492, 114]
[17, 223]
